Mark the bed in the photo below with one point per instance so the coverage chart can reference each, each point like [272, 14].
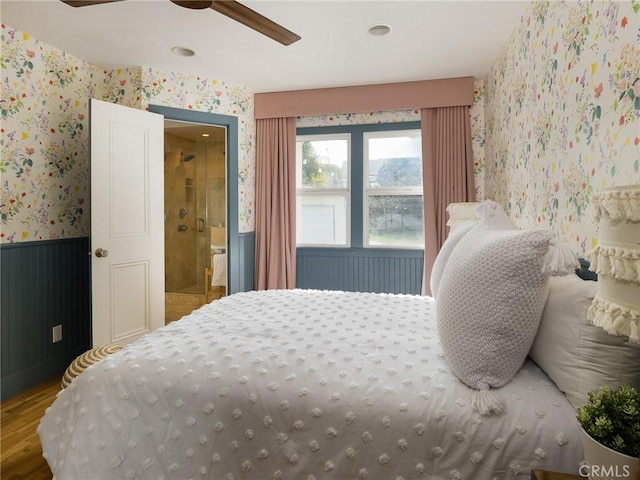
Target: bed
[301, 384]
[478, 381]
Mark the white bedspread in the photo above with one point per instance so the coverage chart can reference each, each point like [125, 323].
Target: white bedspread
[300, 385]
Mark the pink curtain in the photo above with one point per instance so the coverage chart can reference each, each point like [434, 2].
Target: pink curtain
[447, 171]
[275, 203]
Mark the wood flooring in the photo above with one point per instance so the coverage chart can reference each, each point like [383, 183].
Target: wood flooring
[21, 452]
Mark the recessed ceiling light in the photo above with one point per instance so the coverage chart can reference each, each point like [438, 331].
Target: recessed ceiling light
[183, 51]
[379, 29]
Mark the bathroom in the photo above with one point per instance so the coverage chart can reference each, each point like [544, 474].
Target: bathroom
[195, 216]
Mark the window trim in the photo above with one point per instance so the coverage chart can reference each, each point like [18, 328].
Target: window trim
[341, 136]
[384, 191]
[311, 191]
[333, 193]
[355, 230]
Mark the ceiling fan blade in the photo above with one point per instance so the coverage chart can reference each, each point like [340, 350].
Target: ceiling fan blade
[254, 20]
[193, 4]
[86, 3]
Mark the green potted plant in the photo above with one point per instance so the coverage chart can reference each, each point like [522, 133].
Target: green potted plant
[610, 421]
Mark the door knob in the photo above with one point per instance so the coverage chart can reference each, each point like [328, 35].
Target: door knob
[102, 252]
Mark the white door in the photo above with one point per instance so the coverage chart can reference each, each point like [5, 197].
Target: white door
[127, 222]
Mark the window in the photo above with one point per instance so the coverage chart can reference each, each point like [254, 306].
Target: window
[393, 189]
[322, 185]
[360, 186]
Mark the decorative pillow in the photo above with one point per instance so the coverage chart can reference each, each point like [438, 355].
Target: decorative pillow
[490, 300]
[578, 356]
[445, 251]
[490, 211]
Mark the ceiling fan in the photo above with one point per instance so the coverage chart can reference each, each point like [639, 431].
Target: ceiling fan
[230, 8]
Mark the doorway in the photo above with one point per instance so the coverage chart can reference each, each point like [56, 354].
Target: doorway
[195, 172]
[240, 247]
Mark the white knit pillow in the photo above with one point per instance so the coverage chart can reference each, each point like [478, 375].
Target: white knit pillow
[490, 301]
[491, 212]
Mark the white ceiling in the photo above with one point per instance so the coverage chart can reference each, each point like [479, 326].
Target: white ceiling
[429, 39]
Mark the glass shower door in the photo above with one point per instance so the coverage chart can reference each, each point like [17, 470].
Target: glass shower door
[195, 201]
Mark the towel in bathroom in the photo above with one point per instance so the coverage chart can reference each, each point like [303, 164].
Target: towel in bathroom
[219, 277]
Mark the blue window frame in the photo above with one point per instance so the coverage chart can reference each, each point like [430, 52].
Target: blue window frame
[337, 194]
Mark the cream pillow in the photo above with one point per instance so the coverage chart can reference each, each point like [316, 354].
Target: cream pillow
[445, 251]
[490, 301]
[578, 356]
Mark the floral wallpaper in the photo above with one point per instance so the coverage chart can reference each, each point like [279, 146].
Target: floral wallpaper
[395, 116]
[44, 170]
[562, 114]
[44, 184]
[567, 82]
[477, 138]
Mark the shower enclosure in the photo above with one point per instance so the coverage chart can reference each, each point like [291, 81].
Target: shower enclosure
[195, 209]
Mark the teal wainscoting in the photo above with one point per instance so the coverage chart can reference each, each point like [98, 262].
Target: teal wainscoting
[360, 269]
[42, 284]
[245, 263]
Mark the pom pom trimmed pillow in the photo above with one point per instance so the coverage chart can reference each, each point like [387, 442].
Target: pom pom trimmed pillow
[490, 301]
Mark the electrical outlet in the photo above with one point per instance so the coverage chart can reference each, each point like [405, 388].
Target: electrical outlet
[57, 333]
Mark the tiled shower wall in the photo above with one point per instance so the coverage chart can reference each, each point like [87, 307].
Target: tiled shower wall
[195, 198]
